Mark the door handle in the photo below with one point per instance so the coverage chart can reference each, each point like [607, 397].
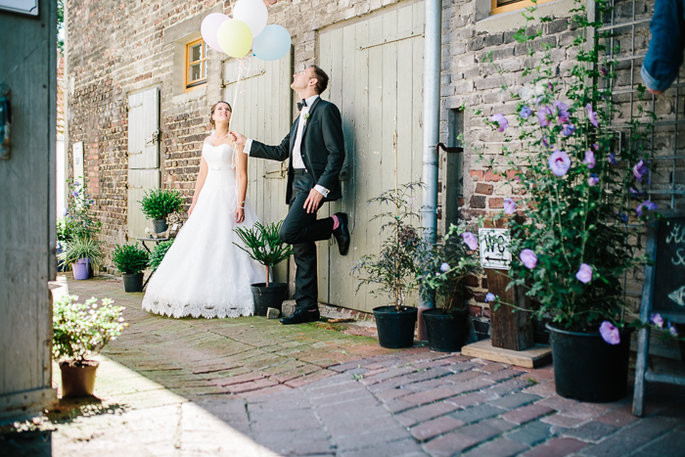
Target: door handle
[5, 119]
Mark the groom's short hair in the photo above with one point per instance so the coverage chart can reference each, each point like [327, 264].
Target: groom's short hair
[321, 78]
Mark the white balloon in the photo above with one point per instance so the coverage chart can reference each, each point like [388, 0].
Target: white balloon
[253, 13]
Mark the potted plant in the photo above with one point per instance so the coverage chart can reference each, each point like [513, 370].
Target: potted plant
[82, 254]
[158, 253]
[583, 195]
[157, 204]
[81, 330]
[79, 224]
[392, 271]
[263, 244]
[443, 269]
[131, 260]
[65, 230]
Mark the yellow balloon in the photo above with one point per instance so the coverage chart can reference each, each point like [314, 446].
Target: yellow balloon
[234, 37]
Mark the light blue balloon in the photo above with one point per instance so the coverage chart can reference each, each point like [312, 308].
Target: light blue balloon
[272, 43]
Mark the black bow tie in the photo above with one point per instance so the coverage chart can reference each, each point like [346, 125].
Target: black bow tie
[301, 104]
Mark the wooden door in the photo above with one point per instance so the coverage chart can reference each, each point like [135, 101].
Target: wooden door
[27, 212]
[375, 66]
[260, 95]
[143, 154]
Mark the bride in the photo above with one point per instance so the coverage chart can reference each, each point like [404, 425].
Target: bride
[204, 274]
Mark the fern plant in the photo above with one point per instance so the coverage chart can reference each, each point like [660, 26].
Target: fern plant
[262, 243]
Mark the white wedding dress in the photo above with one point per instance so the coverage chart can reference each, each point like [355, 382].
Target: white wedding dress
[204, 274]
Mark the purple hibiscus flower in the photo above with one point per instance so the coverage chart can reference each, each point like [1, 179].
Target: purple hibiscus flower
[568, 129]
[470, 239]
[500, 120]
[672, 330]
[592, 115]
[584, 273]
[559, 162]
[589, 159]
[444, 267]
[544, 114]
[612, 158]
[528, 258]
[489, 297]
[562, 111]
[657, 320]
[509, 206]
[525, 112]
[545, 141]
[75, 193]
[640, 170]
[592, 180]
[645, 205]
[609, 333]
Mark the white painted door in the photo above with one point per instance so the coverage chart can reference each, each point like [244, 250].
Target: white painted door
[143, 154]
[260, 95]
[375, 66]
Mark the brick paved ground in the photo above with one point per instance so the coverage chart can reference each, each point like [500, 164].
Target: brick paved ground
[252, 387]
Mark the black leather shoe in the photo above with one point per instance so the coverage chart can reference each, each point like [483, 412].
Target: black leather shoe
[342, 234]
[302, 315]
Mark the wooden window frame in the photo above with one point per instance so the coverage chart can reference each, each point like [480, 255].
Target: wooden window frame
[515, 5]
[194, 84]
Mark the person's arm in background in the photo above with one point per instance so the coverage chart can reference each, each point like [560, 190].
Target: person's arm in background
[665, 54]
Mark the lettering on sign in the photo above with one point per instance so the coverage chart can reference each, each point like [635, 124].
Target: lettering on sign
[494, 248]
[669, 266]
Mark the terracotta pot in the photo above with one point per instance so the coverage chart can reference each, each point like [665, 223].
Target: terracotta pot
[78, 381]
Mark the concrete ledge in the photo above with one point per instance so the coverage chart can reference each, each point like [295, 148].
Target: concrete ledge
[534, 357]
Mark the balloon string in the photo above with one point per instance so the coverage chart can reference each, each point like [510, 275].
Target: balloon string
[241, 68]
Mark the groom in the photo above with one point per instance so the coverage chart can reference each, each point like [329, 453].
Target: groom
[316, 150]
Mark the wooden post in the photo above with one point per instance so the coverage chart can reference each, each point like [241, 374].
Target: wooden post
[510, 328]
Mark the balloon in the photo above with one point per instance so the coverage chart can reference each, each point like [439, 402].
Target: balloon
[210, 27]
[234, 37]
[272, 44]
[253, 13]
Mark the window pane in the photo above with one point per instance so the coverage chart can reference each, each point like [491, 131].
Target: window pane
[196, 52]
[195, 72]
[506, 2]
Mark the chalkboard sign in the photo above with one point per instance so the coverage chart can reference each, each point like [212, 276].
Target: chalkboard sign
[667, 246]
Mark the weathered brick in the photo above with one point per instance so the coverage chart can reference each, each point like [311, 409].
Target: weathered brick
[435, 427]
[556, 447]
[484, 189]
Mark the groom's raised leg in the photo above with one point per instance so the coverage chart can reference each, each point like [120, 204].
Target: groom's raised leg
[306, 286]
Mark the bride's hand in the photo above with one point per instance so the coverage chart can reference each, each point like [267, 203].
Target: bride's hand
[239, 215]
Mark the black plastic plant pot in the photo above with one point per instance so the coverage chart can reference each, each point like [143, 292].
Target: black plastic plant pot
[268, 297]
[395, 328]
[133, 282]
[447, 332]
[160, 225]
[587, 368]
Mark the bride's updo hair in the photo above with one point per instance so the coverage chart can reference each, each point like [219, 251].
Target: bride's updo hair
[213, 108]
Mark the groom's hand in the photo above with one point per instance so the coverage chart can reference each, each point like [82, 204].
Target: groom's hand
[239, 138]
[313, 201]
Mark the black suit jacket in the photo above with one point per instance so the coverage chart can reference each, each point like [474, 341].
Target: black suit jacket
[322, 148]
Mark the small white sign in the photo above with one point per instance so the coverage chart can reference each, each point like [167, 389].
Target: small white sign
[494, 248]
[78, 161]
[20, 6]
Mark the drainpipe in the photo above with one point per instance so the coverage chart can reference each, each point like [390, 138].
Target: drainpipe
[431, 124]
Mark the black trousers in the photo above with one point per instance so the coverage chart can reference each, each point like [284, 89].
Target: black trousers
[303, 230]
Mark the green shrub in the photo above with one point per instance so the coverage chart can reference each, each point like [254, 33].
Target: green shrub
[157, 204]
[130, 258]
[79, 248]
[81, 329]
[158, 253]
